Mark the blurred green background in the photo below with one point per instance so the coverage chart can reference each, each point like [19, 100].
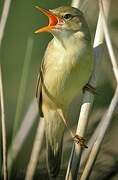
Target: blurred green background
[23, 20]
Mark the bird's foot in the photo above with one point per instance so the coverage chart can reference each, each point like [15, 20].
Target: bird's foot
[80, 140]
[90, 88]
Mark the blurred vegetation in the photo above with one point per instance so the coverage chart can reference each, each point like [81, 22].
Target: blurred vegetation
[23, 20]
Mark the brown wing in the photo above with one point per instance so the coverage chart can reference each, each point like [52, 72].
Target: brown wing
[40, 79]
[39, 89]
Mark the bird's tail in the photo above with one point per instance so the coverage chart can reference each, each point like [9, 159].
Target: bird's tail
[54, 142]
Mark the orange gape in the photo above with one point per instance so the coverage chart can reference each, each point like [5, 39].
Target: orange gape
[53, 20]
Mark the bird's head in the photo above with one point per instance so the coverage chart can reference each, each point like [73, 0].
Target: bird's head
[64, 20]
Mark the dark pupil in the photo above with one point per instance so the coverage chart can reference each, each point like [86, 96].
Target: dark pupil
[67, 16]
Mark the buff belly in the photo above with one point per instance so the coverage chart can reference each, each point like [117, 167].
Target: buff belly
[64, 84]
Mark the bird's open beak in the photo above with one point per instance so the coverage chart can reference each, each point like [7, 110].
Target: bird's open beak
[53, 20]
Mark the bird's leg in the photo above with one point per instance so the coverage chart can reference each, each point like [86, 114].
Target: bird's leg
[77, 139]
[90, 88]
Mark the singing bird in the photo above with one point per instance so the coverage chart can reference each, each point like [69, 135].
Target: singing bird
[66, 68]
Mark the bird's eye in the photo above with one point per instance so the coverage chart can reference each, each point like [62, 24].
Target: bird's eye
[67, 16]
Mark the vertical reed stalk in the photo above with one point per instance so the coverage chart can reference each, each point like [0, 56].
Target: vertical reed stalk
[3, 20]
[3, 125]
[74, 161]
[97, 46]
[22, 88]
[35, 151]
[23, 132]
[105, 122]
[21, 97]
